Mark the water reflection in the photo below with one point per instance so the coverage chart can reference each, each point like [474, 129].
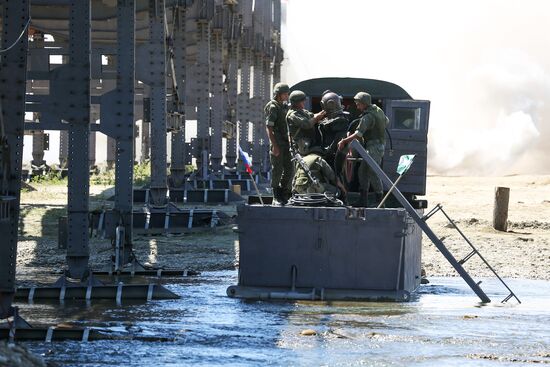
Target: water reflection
[442, 326]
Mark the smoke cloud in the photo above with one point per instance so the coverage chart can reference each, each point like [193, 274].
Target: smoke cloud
[484, 65]
[499, 128]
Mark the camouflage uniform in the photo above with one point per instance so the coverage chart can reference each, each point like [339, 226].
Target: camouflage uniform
[334, 128]
[281, 166]
[371, 128]
[302, 128]
[319, 169]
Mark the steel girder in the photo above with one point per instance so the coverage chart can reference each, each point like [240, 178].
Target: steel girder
[249, 29]
[278, 51]
[179, 158]
[257, 115]
[262, 39]
[117, 122]
[232, 102]
[244, 105]
[38, 142]
[145, 137]
[257, 84]
[75, 101]
[266, 94]
[202, 73]
[157, 90]
[37, 136]
[74, 80]
[233, 34]
[63, 149]
[12, 117]
[216, 101]
[92, 149]
[111, 152]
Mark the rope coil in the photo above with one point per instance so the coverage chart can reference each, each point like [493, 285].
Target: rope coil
[315, 200]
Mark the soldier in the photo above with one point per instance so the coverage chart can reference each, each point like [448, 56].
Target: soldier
[371, 129]
[302, 124]
[320, 170]
[333, 128]
[277, 131]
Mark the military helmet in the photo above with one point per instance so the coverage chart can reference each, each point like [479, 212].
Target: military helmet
[331, 102]
[363, 97]
[296, 97]
[280, 88]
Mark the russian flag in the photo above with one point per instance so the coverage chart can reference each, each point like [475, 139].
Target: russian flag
[246, 160]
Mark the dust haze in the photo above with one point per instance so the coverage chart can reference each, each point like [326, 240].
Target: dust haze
[485, 66]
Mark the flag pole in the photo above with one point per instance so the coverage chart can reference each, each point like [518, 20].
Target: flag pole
[403, 166]
[390, 191]
[248, 165]
[256, 187]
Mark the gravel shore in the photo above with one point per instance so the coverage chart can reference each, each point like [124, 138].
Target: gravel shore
[522, 252]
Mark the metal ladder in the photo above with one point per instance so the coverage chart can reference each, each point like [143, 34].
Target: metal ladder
[421, 221]
[474, 252]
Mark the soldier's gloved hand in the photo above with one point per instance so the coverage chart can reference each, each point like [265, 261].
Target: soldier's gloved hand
[319, 116]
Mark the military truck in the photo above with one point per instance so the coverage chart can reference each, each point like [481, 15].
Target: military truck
[328, 252]
[332, 253]
[406, 134]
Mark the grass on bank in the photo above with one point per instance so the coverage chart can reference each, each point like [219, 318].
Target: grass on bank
[142, 176]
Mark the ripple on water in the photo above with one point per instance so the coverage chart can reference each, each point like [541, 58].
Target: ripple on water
[443, 325]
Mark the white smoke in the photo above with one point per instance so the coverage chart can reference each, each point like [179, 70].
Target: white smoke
[484, 65]
[497, 123]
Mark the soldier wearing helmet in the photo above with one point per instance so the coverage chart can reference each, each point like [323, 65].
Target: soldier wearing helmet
[302, 124]
[370, 129]
[319, 170]
[333, 128]
[277, 130]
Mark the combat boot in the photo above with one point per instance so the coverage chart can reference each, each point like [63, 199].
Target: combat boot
[275, 197]
[278, 198]
[285, 196]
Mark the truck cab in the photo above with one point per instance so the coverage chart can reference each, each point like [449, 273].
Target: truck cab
[326, 252]
[407, 132]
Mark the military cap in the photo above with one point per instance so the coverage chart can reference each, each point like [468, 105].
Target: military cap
[297, 96]
[280, 88]
[363, 97]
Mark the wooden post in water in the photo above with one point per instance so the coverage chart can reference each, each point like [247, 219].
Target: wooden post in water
[500, 211]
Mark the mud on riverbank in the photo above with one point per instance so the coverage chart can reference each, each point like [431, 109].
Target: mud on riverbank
[522, 252]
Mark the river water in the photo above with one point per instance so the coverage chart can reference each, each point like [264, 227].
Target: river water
[444, 325]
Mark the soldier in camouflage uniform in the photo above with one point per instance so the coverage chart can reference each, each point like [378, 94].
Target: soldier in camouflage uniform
[327, 182]
[371, 129]
[334, 128]
[277, 131]
[302, 124]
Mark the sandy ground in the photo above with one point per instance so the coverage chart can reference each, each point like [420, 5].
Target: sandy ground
[38, 253]
[522, 252]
